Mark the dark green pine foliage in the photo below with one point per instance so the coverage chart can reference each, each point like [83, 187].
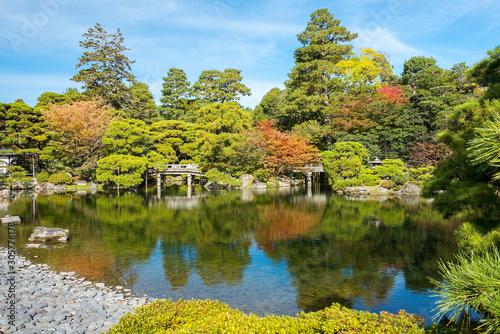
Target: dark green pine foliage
[487, 74]
[21, 128]
[412, 67]
[220, 87]
[142, 105]
[106, 70]
[270, 107]
[313, 87]
[176, 100]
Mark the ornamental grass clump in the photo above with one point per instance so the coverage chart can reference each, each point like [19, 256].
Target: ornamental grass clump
[207, 316]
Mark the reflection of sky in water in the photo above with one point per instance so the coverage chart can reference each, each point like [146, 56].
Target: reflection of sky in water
[265, 288]
[418, 303]
[284, 253]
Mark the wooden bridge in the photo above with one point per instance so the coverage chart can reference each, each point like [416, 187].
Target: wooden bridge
[310, 171]
[175, 169]
[308, 168]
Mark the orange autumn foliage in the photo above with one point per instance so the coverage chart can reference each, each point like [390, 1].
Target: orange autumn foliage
[78, 127]
[282, 150]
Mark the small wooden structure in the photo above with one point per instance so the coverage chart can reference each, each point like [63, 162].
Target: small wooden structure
[308, 170]
[175, 169]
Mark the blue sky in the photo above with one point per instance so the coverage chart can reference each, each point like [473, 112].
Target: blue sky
[39, 39]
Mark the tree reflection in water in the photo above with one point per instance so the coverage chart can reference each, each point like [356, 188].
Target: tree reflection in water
[333, 249]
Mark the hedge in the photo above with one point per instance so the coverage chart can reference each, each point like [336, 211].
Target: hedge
[209, 316]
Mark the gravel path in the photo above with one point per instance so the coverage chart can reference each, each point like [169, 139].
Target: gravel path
[44, 301]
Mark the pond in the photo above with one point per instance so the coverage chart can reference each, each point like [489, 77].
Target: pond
[264, 252]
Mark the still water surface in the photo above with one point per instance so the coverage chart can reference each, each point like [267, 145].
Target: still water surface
[271, 252]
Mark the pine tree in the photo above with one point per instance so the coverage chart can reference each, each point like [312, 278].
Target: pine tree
[107, 73]
[312, 85]
[176, 95]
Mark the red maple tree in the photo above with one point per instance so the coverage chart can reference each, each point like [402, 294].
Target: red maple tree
[393, 94]
[283, 150]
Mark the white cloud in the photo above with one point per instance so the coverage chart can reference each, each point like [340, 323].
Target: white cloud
[386, 42]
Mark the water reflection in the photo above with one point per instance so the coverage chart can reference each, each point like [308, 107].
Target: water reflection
[263, 252]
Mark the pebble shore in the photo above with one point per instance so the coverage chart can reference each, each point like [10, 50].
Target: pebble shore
[49, 302]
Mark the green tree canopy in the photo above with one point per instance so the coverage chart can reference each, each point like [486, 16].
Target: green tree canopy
[312, 82]
[174, 141]
[107, 71]
[127, 136]
[344, 163]
[22, 128]
[122, 170]
[269, 108]
[220, 87]
[223, 117]
[142, 105]
[413, 66]
[487, 73]
[176, 95]
[484, 149]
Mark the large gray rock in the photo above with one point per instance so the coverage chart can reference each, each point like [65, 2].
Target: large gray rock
[259, 185]
[18, 185]
[4, 194]
[409, 189]
[45, 234]
[9, 220]
[246, 180]
[284, 184]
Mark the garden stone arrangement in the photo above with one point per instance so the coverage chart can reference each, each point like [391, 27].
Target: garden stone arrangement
[50, 302]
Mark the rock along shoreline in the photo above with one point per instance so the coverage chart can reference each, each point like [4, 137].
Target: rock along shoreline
[49, 302]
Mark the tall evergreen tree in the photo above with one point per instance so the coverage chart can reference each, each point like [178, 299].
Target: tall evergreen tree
[106, 71]
[412, 67]
[313, 84]
[142, 105]
[176, 95]
[487, 74]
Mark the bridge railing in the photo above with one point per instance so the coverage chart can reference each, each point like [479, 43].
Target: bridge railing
[179, 168]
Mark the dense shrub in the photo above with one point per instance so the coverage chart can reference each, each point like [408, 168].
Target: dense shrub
[42, 177]
[60, 178]
[262, 174]
[195, 316]
[420, 174]
[392, 169]
[388, 184]
[214, 175]
[344, 163]
[367, 178]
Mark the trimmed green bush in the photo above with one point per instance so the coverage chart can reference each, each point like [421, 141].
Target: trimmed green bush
[60, 178]
[392, 169]
[214, 175]
[42, 177]
[367, 178]
[196, 316]
[387, 184]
